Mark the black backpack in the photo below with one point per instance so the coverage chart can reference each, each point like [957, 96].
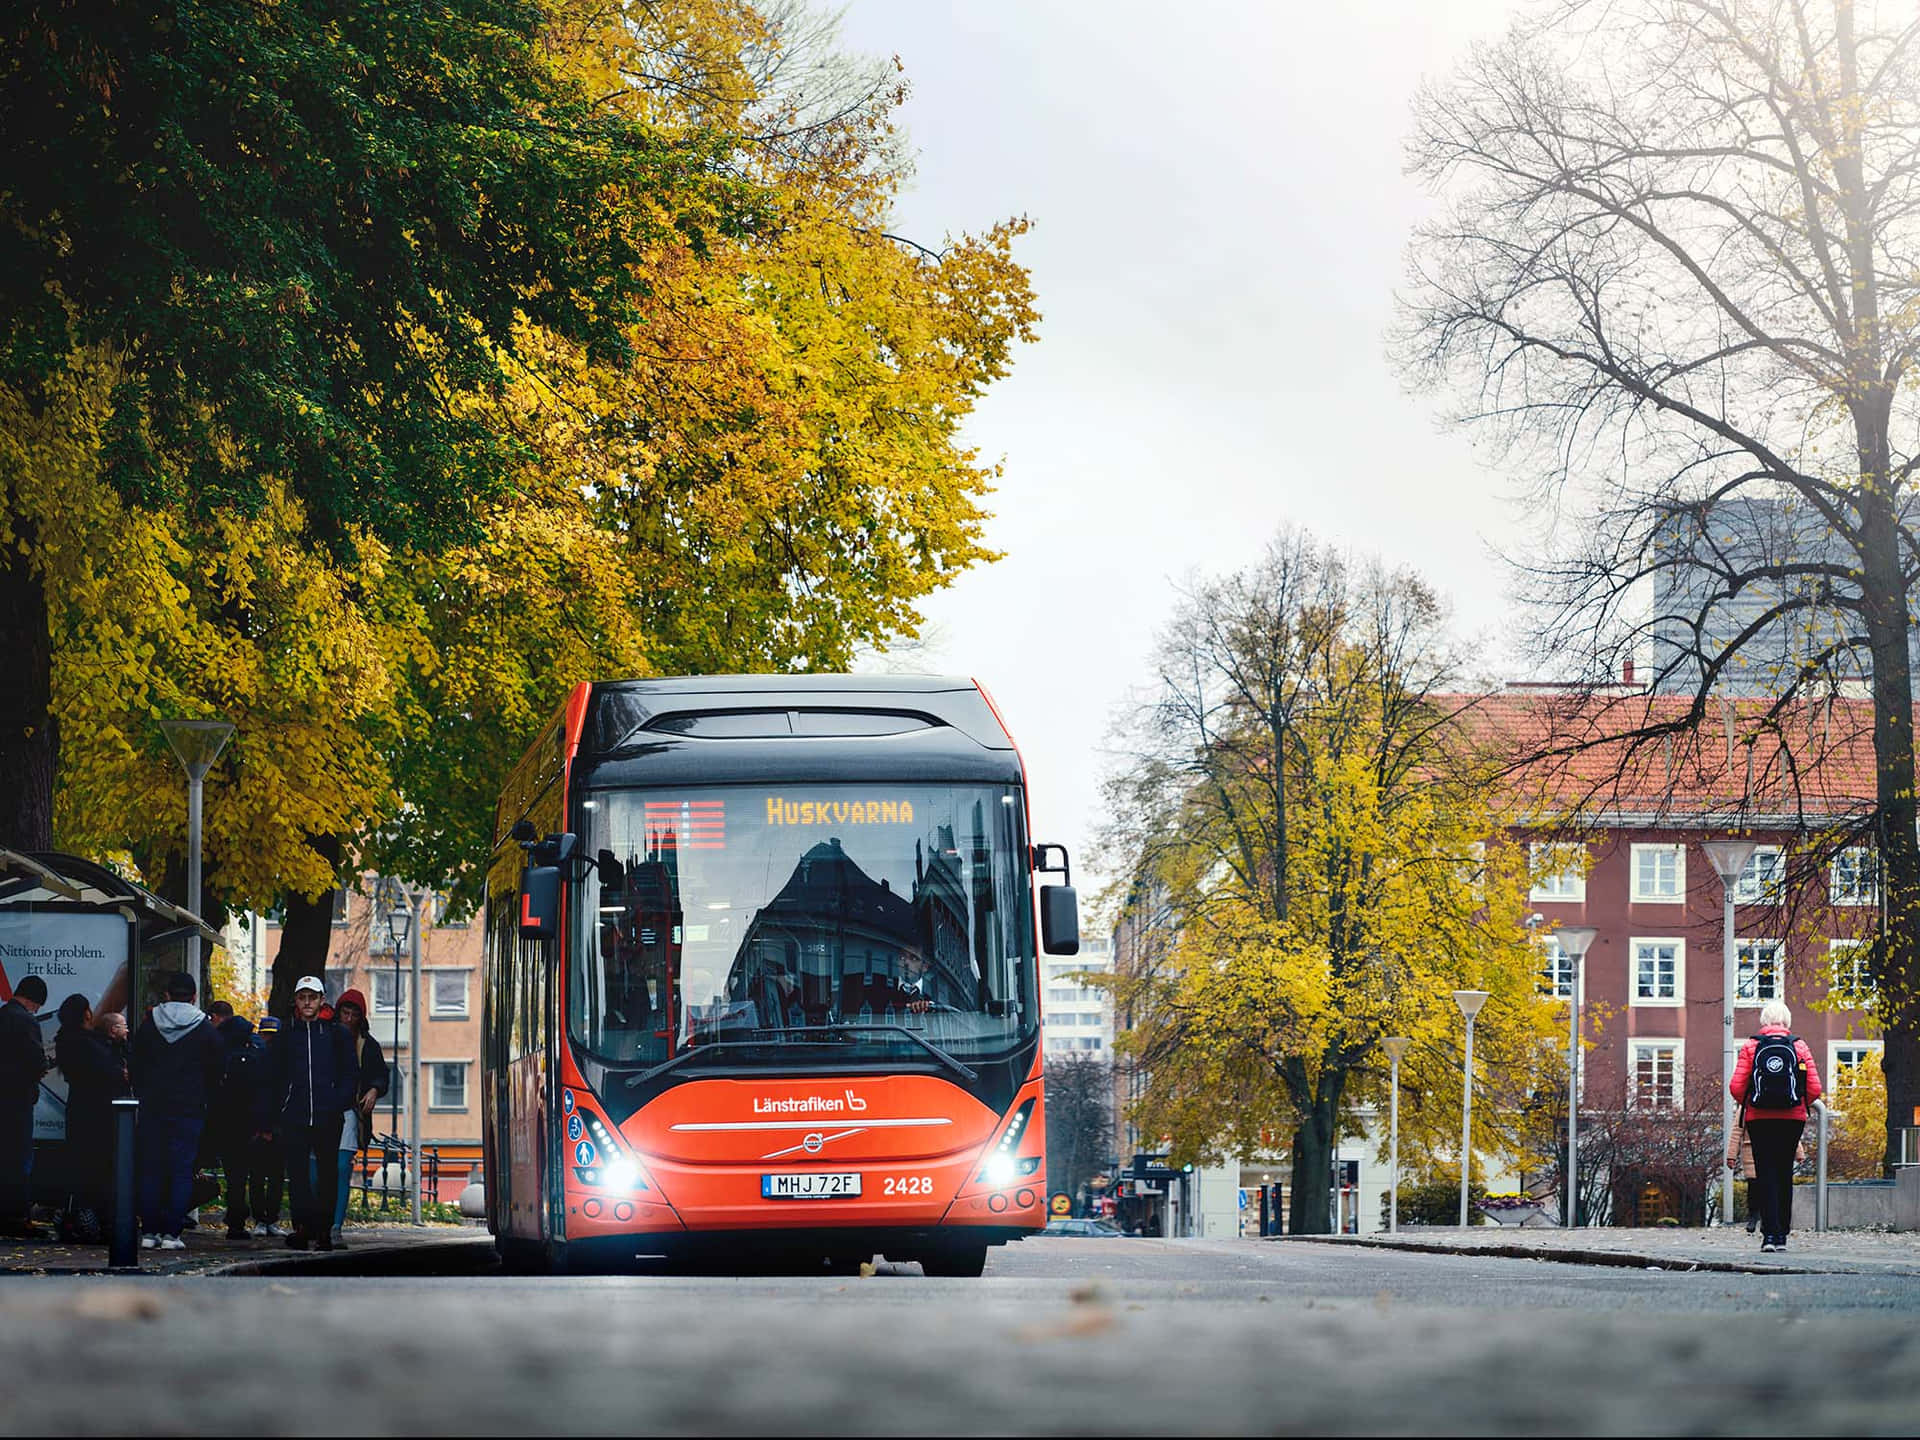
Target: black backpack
[245, 1072]
[1779, 1079]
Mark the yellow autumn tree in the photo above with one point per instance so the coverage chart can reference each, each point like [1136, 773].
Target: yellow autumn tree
[1314, 844]
[769, 474]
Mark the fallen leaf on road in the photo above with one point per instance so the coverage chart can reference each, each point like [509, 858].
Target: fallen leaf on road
[866, 1268]
[120, 1303]
[1086, 1294]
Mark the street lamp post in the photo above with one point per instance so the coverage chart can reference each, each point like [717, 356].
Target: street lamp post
[1396, 1047]
[1574, 941]
[400, 930]
[196, 744]
[1728, 858]
[1469, 1002]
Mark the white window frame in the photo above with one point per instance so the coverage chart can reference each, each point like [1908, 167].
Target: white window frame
[1750, 888]
[1641, 896]
[378, 975]
[1679, 996]
[438, 1067]
[1854, 894]
[341, 912]
[1831, 1075]
[1639, 1045]
[1834, 948]
[434, 1010]
[1567, 886]
[1744, 969]
[1551, 948]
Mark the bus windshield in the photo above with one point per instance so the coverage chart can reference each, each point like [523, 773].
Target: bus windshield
[771, 922]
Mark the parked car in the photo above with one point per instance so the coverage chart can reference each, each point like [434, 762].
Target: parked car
[1085, 1229]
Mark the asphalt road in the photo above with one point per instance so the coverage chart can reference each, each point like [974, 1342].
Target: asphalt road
[1060, 1336]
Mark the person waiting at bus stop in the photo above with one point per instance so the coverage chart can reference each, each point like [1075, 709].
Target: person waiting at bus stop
[313, 1075]
[370, 1083]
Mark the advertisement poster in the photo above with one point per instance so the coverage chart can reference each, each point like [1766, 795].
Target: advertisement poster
[73, 953]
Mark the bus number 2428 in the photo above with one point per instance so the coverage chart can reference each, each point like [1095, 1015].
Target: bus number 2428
[908, 1185]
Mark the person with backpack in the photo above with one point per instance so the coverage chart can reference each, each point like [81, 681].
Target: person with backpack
[1774, 1080]
[23, 1060]
[238, 1108]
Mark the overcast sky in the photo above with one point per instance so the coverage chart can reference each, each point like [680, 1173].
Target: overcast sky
[1220, 223]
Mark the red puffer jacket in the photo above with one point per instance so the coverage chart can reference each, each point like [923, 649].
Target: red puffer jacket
[1743, 1074]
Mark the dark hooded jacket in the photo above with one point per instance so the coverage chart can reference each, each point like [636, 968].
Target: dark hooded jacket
[243, 1107]
[94, 1082]
[314, 1070]
[176, 1060]
[23, 1058]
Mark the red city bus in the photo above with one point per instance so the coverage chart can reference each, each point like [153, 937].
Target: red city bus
[761, 978]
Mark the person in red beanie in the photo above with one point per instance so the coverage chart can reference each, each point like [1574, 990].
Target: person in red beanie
[1774, 1079]
[373, 1082]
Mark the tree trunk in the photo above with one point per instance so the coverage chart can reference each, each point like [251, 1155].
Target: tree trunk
[29, 745]
[1309, 1208]
[1885, 593]
[306, 935]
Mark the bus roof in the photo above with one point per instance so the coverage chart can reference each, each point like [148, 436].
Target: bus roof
[741, 728]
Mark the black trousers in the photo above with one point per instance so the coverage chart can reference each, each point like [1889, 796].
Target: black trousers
[1774, 1142]
[253, 1179]
[313, 1190]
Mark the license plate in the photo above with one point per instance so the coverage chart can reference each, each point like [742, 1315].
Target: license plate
[810, 1185]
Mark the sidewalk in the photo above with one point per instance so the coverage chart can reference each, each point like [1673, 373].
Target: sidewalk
[1834, 1252]
[209, 1252]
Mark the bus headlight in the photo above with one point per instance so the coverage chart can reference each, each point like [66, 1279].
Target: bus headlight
[999, 1171]
[1000, 1168]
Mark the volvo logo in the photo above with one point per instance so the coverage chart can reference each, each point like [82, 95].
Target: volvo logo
[815, 1143]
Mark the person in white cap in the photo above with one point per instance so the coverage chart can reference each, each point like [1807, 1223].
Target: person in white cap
[313, 1076]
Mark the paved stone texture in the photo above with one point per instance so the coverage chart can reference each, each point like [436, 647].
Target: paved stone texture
[1061, 1336]
[208, 1250]
[1863, 1252]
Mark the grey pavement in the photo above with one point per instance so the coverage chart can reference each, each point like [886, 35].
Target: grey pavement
[1060, 1336]
[1844, 1252]
[209, 1251]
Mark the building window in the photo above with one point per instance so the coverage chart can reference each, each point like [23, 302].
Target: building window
[1089, 1042]
[1556, 970]
[1756, 976]
[1850, 973]
[1761, 876]
[445, 917]
[447, 993]
[1843, 1058]
[1657, 1074]
[1658, 971]
[449, 1088]
[1855, 877]
[1058, 1043]
[1659, 874]
[1559, 873]
[1062, 992]
[340, 905]
[389, 994]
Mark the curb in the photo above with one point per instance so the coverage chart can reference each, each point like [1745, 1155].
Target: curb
[1618, 1259]
[403, 1258]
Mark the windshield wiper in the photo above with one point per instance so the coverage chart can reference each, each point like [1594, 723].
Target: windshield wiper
[819, 1034]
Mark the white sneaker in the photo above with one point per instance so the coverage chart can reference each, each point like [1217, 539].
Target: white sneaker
[172, 1242]
[274, 1231]
[148, 1242]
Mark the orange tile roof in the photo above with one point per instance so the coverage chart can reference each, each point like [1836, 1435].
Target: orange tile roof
[1625, 752]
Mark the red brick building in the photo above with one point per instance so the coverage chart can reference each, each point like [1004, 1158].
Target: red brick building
[1629, 821]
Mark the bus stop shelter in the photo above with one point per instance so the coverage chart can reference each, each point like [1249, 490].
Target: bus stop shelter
[83, 929]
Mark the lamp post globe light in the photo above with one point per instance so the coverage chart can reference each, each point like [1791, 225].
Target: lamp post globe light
[1574, 942]
[1396, 1047]
[1469, 1002]
[196, 744]
[1728, 858]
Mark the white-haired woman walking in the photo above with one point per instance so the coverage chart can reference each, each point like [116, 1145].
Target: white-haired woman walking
[1775, 1080]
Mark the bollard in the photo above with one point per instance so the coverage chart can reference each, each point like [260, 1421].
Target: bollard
[123, 1239]
[1820, 1181]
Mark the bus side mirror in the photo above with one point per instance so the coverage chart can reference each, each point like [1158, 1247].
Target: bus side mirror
[1059, 920]
[540, 902]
